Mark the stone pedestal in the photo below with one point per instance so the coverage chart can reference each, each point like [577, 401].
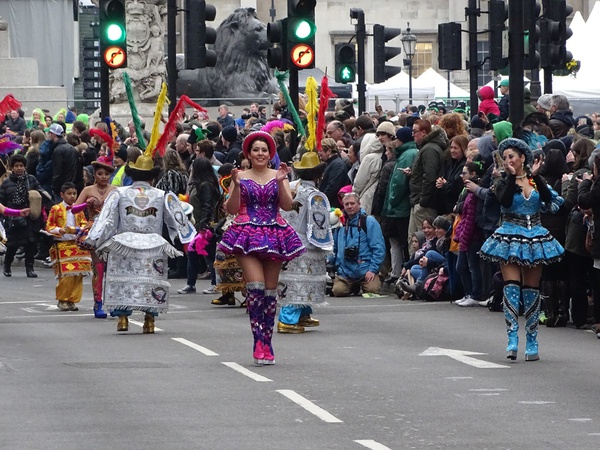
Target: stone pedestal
[19, 77]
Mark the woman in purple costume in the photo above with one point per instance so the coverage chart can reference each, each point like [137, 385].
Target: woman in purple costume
[259, 237]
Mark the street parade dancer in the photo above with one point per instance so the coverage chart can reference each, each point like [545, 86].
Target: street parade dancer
[259, 237]
[70, 262]
[521, 245]
[128, 233]
[303, 280]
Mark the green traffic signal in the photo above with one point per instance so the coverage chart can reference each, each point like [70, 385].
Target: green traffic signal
[347, 74]
[114, 33]
[303, 30]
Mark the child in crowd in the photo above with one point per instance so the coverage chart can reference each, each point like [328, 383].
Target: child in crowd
[70, 262]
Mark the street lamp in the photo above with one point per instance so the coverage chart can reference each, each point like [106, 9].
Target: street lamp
[409, 44]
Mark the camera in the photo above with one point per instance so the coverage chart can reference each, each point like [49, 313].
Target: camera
[351, 253]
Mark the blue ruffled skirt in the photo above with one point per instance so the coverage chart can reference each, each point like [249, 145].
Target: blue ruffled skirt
[512, 243]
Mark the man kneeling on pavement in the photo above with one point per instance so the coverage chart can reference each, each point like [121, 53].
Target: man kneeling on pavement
[359, 250]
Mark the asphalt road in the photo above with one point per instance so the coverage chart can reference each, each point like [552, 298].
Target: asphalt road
[374, 375]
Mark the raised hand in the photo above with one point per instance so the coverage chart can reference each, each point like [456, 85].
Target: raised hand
[282, 172]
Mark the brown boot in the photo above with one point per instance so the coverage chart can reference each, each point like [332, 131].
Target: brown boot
[148, 324]
[123, 324]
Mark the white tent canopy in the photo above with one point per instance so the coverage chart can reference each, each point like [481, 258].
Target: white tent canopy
[394, 92]
[431, 78]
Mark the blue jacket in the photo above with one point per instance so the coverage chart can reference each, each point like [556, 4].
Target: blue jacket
[371, 248]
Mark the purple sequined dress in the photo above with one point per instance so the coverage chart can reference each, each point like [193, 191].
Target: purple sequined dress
[259, 229]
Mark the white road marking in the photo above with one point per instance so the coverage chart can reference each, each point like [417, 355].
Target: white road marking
[246, 372]
[536, 402]
[141, 325]
[19, 302]
[580, 419]
[373, 445]
[310, 406]
[462, 356]
[197, 347]
[489, 390]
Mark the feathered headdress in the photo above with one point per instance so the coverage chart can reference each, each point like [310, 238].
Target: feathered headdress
[312, 108]
[160, 104]
[7, 145]
[176, 116]
[8, 104]
[276, 125]
[137, 122]
[326, 94]
[281, 79]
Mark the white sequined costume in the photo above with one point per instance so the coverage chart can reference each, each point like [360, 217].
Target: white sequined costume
[303, 279]
[128, 233]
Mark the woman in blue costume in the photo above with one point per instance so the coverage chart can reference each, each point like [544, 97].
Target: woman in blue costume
[259, 237]
[521, 244]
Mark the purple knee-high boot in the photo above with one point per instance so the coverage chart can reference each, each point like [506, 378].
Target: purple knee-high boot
[269, 323]
[255, 300]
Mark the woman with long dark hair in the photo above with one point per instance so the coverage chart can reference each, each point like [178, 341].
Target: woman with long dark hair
[175, 176]
[204, 196]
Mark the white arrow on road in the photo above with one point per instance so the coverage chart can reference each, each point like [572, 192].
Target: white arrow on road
[462, 356]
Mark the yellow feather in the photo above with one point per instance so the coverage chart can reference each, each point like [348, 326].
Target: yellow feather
[155, 135]
[312, 108]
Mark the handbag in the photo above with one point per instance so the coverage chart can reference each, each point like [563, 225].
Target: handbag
[434, 286]
[35, 202]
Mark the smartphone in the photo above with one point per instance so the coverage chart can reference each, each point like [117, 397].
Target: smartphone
[376, 101]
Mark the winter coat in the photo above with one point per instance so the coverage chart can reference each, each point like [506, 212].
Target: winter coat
[334, 178]
[589, 197]
[204, 198]
[454, 184]
[467, 230]
[173, 181]
[427, 168]
[503, 105]
[367, 176]
[43, 170]
[382, 185]
[488, 104]
[397, 201]
[561, 122]
[66, 166]
[371, 246]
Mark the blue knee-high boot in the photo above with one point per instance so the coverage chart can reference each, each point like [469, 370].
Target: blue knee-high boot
[510, 303]
[255, 300]
[531, 302]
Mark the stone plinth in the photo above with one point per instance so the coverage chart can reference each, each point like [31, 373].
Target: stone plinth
[18, 72]
[52, 98]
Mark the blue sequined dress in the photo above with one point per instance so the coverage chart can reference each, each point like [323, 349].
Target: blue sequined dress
[521, 238]
[258, 228]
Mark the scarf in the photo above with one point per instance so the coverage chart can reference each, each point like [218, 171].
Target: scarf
[21, 197]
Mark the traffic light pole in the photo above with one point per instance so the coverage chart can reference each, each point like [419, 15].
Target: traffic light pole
[171, 53]
[104, 92]
[516, 57]
[361, 36]
[293, 90]
[472, 12]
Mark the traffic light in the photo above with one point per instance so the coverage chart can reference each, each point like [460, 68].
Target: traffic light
[277, 34]
[449, 46]
[383, 53]
[498, 34]
[345, 63]
[113, 34]
[554, 34]
[531, 14]
[301, 31]
[198, 35]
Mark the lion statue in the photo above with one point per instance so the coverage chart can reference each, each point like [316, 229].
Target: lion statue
[241, 70]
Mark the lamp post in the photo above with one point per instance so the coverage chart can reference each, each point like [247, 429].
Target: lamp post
[409, 44]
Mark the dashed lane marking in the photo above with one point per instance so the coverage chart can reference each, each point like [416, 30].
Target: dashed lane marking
[373, 445]
[310, 406]
[197, 347]
[246, 372]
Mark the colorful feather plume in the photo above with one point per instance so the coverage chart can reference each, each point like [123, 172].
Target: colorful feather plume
[281, 79]
[7, 145]
[137, 122]
[277, 125]
[8, 104]
[176, 116]
[326, 94]
[160, 104]
[312, 108]
[97, 133]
